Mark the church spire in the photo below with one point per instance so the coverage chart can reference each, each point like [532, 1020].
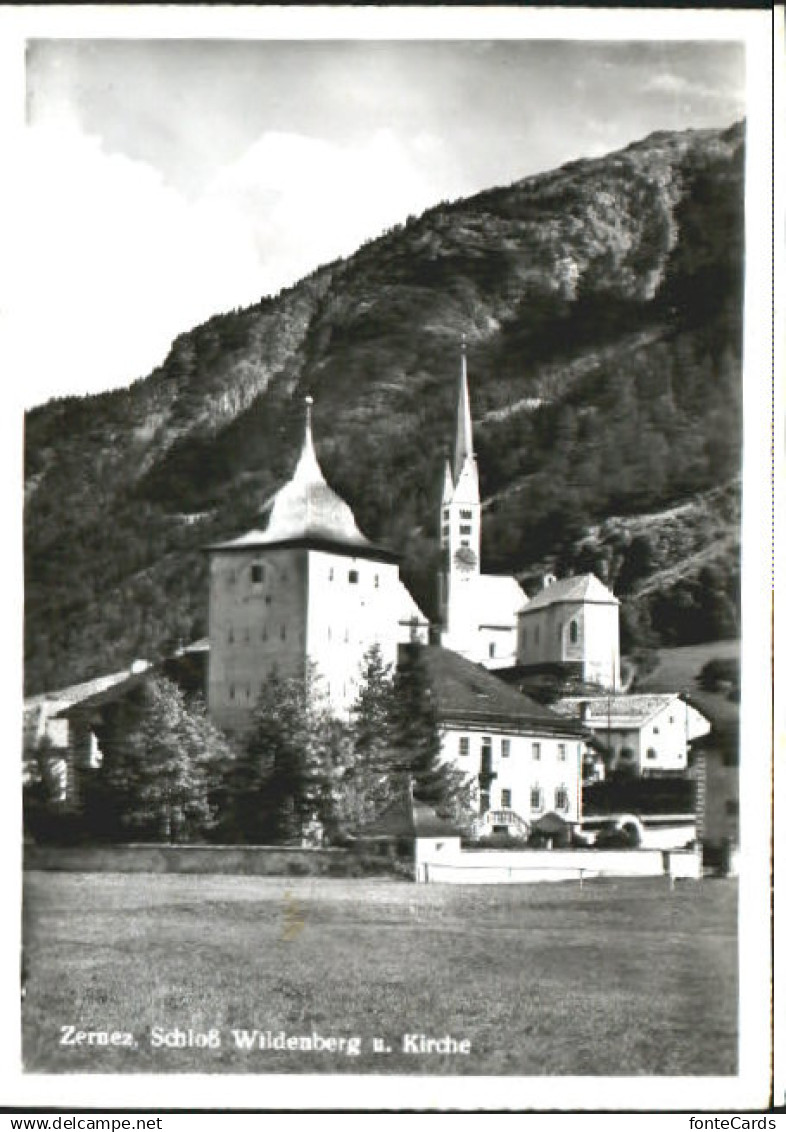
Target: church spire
[308, 469]
[463, 420]
[447, 484]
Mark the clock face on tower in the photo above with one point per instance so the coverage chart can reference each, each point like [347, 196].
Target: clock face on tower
[465, 558]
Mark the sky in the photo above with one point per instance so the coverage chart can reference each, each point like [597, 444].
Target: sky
[165, 181]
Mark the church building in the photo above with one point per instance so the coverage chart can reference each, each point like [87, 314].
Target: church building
[572, 626]
[478, 611]
[308, 590]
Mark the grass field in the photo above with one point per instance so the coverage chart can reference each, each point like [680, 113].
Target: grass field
[623, 977]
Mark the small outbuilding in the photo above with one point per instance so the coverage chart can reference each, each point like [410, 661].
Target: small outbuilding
[409, 828]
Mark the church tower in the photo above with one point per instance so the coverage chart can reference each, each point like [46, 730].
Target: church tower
[308, 589]
[460, 528]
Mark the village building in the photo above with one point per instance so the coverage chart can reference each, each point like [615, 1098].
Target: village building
[57, 742]
[571, 627]
[477, 611]
[644, 734]
[308, 590]
[525, 758]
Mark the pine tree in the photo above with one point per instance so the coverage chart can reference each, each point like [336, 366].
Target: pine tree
[370, 773]
[285, 777]
[416, 741]
[163, 762]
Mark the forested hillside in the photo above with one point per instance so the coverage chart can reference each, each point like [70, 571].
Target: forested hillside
[602, 308]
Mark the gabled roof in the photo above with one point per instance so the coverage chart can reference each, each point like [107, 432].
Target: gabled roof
[407, 817]
[307, 512]
[465, 693]
[584, 587]
[617, 712]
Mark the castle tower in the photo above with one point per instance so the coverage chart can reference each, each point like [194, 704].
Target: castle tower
[460, 528]
[308, 589]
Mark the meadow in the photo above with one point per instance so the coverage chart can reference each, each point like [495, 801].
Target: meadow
[621, 977]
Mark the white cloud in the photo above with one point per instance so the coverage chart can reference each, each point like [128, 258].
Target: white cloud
[666, 82]
[112, 263]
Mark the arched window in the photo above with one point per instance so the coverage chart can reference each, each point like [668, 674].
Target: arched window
[574, 632]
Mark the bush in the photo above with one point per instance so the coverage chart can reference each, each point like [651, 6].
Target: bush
[718, 672]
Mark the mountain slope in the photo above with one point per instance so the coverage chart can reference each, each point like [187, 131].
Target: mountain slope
[601, 304]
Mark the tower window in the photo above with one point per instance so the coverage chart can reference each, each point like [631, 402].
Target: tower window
[283, 632]
[561, 798]
[464, 542]
[506, 748]
[446, 515]
[463, 744]
[264, 632]
[465, 530]
[231, 636]
[492, 649]
[330, 574]
[561, 752]
[353, 576]
[574, 632]
[376, 581]
[231, 691]
[536, 799]
[507, 799]
[257, 573]
[465, 514]
[536, 752]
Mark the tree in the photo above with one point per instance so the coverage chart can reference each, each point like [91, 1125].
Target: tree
[370, 772]
[163, 764]
[416, 741]
[287, 773]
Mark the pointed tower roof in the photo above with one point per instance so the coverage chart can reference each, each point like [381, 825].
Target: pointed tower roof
[307, 512]
[464, 447]
[447, 486]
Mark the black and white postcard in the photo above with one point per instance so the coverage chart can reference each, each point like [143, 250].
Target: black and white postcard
[389, 710]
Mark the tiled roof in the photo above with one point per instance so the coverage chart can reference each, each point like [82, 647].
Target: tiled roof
[407, 817]
[616, 711]
[306, 511]
[62, 697]
[584, 587]
[467, 693]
